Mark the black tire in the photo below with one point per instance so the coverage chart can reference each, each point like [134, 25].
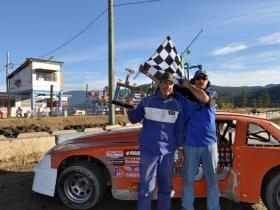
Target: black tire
[271, 191]
[81, 185]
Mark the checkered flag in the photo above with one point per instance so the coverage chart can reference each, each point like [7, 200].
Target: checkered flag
[166, 59]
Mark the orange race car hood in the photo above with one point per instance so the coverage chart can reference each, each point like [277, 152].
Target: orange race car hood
[103, 139]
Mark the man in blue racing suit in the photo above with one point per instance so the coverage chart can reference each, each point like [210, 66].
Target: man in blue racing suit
[162, 133]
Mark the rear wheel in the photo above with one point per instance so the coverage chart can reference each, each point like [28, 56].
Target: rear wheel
[271, 191]
[81, 185]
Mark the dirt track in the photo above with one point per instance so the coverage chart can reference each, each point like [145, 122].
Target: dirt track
[11, 127]
[16, 194]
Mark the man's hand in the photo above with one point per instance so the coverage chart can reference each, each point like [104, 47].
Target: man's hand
[186, 83]
[130, 101]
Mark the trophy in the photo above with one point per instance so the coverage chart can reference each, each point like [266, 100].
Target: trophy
[123, 91]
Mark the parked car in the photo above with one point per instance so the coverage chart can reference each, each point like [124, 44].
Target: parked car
[74, 111]
[80, 170]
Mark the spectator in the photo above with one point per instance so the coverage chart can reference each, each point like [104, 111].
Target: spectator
[200, 146]
[19, 112]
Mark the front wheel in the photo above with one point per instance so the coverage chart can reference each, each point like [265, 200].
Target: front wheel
[81, 185]
[271, 191]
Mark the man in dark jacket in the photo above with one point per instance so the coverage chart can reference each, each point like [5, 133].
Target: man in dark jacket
[200, 146]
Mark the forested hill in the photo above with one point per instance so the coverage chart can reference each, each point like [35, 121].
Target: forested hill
[260, 96]
[250, 96]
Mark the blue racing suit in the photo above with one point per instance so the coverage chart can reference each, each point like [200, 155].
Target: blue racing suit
[162, 132]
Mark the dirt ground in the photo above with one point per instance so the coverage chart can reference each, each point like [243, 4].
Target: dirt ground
[16, 194]
[58, 123]
[16, 181]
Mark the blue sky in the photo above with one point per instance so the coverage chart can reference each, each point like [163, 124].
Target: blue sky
[239, 45]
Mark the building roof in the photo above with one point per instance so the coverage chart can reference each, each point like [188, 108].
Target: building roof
[30, 60]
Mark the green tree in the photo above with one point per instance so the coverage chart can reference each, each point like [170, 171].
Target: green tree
[254, 102]
[243, 99]
[264, 98]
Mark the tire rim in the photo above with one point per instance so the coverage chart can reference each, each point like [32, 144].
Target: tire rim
[78, 188]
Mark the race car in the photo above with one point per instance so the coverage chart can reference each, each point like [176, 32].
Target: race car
[80, 170]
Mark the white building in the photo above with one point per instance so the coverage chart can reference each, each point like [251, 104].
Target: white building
[36, 83]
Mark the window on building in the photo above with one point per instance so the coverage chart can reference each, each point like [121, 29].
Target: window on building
[42, 75]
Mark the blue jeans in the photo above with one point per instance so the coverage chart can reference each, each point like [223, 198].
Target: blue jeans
[155, 168]
[208, 158]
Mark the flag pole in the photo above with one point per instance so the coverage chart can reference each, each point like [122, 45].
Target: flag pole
[187, 50]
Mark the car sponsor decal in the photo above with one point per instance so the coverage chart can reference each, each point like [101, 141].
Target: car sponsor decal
[128, 163]
[114, 154]
[115, 157]
[132, 153]
[118, 172]
[132, 160]
[116, 161]
[131, 171]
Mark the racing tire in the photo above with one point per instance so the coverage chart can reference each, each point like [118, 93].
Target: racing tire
[271, 191]
[81, 185]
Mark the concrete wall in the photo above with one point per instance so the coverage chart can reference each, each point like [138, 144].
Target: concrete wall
[24, 150]
[268, 115]
[29, 148]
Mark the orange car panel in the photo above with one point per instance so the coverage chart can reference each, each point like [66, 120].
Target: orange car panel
[241, 170]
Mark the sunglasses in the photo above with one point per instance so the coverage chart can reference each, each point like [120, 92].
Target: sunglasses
[201, 77]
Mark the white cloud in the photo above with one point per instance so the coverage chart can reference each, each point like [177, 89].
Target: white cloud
[232, 48]
[250, 14]
[259, 77]
[232, 65]
[271, 39]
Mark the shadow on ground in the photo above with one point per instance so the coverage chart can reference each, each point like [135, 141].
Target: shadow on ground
[16, 194]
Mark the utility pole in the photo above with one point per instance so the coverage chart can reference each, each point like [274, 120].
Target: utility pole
[8, 85]
[111, 66]
[51, 100]
[86, 104]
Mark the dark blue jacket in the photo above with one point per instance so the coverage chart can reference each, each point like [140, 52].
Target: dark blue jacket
[200, 127]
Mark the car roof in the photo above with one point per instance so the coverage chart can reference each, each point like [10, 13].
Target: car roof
[235, 115]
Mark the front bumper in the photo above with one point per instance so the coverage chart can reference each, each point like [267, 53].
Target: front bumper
[45, 177]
